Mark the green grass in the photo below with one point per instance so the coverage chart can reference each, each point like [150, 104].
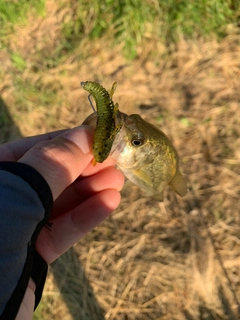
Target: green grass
[18, 61]
[15, 12]
[129, 21]
[132, 21]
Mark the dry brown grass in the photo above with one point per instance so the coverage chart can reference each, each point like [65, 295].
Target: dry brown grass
[149, 260]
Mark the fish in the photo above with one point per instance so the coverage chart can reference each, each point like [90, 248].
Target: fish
[145, 155]
[148, 158]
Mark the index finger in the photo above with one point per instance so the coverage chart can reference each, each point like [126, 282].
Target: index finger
[14, 150]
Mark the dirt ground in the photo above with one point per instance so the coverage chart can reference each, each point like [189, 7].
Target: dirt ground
[150, 259]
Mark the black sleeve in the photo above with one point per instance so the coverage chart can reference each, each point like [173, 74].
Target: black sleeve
[25, 207]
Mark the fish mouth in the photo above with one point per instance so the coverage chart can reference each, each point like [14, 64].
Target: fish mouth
[91, 120]
[119, 141]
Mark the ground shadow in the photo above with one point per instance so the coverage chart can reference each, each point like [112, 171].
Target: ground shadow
[67, 270]
[8, 129]
[75, 289]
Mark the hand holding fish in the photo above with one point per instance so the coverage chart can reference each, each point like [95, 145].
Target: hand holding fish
[47, 178]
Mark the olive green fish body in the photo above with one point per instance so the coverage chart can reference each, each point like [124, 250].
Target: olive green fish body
[148, 158]
[106, 127]
[142, 152]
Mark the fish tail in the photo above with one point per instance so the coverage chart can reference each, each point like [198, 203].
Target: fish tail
[178, 184]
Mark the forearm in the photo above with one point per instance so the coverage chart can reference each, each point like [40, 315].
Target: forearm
[22, 216]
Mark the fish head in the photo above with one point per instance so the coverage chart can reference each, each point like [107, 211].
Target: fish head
[147, 157]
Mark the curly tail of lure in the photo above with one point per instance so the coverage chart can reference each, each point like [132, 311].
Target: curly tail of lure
[106, 128]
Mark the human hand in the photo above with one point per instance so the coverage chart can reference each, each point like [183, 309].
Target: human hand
[83, 195]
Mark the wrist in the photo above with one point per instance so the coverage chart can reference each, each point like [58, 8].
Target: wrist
[27, 306]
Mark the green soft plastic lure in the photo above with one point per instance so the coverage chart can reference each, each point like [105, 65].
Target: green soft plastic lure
[107, 126]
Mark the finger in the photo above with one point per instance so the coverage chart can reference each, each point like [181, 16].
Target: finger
[14, 150]
[91, 169]
[109, 178]
[61, 160]
[68, 229]
[83, 188]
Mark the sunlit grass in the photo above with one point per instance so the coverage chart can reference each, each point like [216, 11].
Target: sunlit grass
[16, 12]
[133, 21]
[18, 61]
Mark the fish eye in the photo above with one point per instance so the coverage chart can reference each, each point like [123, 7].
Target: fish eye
[137, 142]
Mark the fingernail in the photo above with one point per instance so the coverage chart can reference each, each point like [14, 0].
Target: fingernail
[82, 136]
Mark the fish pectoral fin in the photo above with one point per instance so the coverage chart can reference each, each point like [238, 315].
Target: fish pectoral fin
[178, 184]
[143, 176]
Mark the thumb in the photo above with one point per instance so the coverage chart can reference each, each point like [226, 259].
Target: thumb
[61, 160]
